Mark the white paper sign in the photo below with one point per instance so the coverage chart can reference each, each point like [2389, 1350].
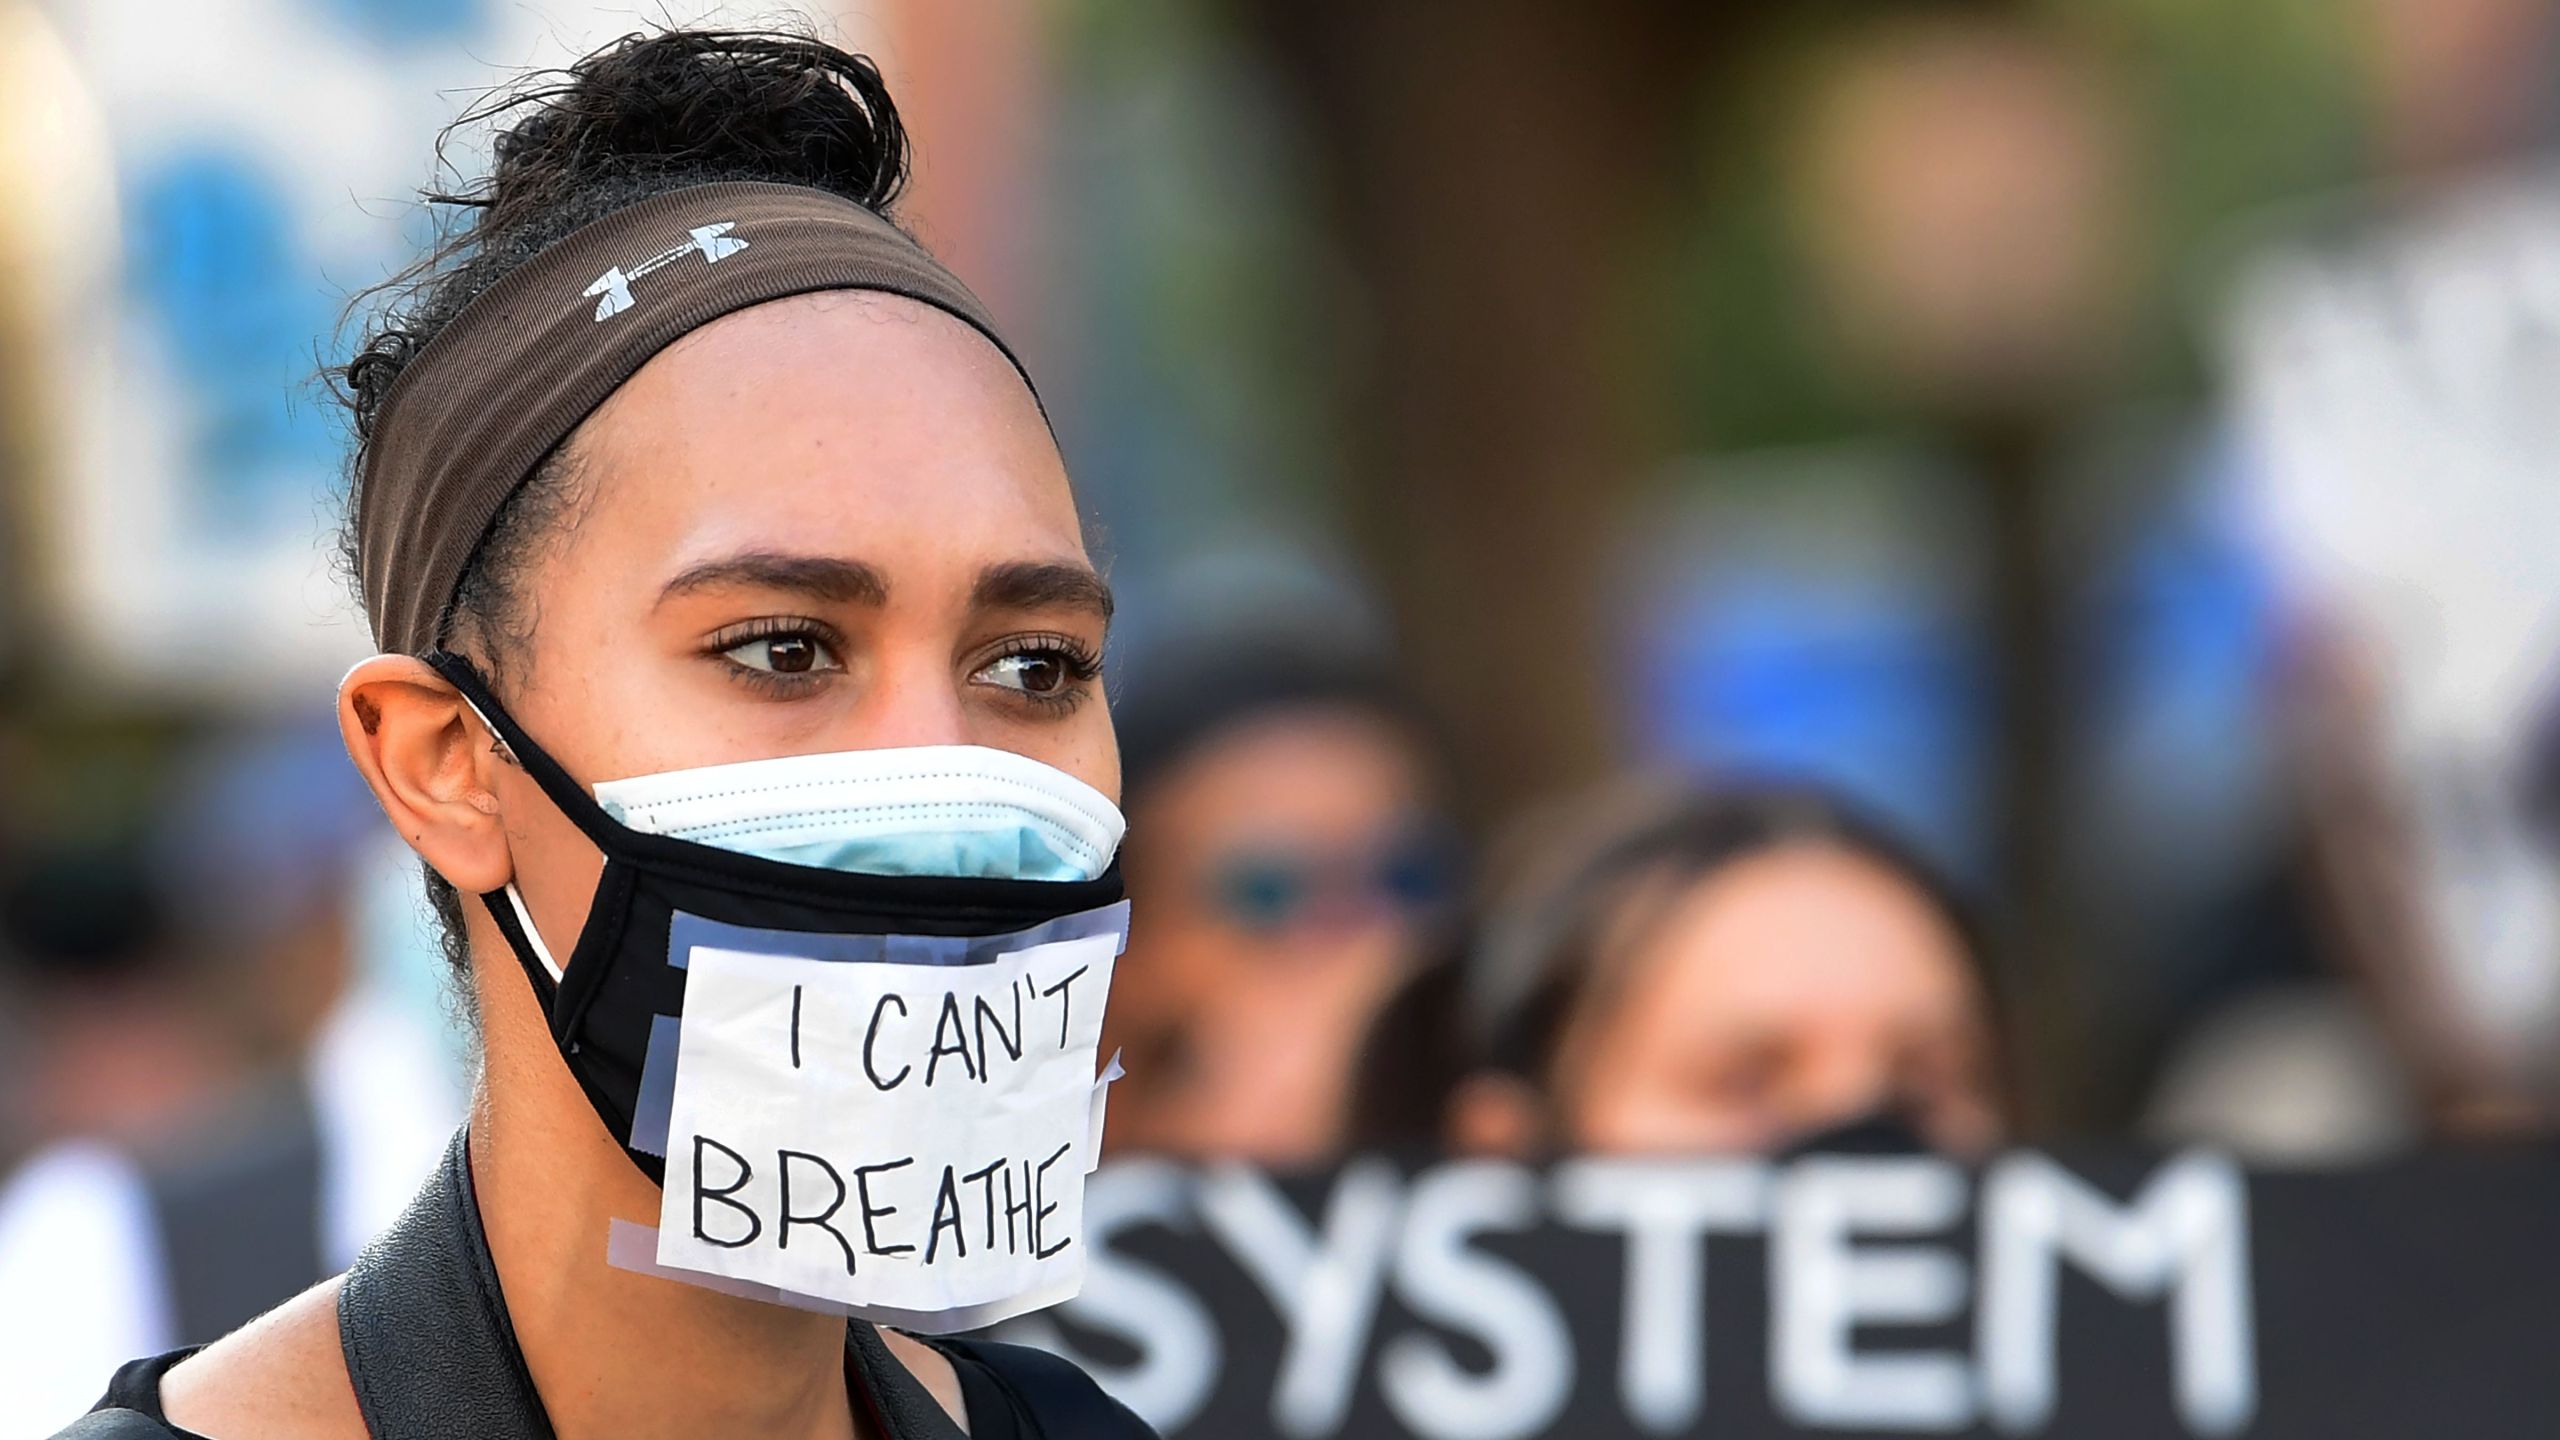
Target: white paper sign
[907, 1140]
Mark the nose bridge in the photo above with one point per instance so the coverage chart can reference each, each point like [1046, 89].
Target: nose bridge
[1851, 1076]
[914, 700]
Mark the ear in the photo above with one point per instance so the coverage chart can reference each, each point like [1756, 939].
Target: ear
[1495, 1114]
[425, 753]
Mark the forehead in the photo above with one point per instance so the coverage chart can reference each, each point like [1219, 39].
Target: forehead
[849, 421]
[1809, 928]
[1300, 759]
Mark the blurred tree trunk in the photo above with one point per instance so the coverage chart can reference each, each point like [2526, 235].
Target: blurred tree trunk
[2052, 1036]
[1493, 171]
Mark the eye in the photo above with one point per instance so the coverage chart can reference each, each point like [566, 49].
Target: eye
[1050, 670]
[777, 651]
[784, 654]
[1032, 674]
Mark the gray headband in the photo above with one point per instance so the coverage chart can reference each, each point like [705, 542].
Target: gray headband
[510, 377]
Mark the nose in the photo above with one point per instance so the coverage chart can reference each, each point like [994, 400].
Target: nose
[1853, 1076]
[913, 699]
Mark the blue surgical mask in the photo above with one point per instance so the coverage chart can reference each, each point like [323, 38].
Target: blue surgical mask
[954, 810]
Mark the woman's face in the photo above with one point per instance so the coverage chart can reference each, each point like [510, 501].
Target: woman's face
[834, 522]
[1780, 996]
[1283, 874]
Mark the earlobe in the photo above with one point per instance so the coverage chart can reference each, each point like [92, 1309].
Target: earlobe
[419, 746]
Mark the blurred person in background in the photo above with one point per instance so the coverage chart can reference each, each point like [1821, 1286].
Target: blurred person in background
[1746, 970]
[122, 1041]
[2386, 350]
[1289, 855]
[122, 1016]
[235, 1109]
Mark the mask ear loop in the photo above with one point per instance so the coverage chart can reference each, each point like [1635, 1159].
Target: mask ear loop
[533, 936]
[564, 791]
[515, 897]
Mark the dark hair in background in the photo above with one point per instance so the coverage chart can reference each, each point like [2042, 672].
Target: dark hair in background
[1413, 1058]
[648, 114]
[1184, 692]
[1507, 1000]
[83, 910]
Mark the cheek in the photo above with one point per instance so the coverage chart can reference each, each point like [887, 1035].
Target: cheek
[556, 866]
[1968, 1129]
[1639, 1095]
[1088, 748]
[915, 664]
[1644, 1118]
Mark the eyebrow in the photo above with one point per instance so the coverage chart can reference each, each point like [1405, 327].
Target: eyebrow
[1013, 585]
[1041, 585]
[821, 577]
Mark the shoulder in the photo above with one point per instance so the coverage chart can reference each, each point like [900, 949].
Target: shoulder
[932, 1370]
[283, 1376]
[115, 1425]
[1063, 1402]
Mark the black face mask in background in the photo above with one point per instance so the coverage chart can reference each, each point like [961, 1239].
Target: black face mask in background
[1885, 1130]
[622, 988]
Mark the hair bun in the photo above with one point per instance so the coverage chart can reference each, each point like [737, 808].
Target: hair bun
[698, 104]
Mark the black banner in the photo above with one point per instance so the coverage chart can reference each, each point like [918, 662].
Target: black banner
[1829, 1295]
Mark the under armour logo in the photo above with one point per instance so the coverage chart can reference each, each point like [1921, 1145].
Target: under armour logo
[613, 287]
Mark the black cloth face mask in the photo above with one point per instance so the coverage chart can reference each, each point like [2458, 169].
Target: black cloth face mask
[616, 1005]
[1882, 1130]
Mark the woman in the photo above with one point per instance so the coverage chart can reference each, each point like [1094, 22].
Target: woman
[735, 622]
[1751, 971]
[1291, 862]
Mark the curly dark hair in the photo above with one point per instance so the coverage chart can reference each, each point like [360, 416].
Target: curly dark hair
[649, 113]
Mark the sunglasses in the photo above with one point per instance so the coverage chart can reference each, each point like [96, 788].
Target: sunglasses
[1278, 889]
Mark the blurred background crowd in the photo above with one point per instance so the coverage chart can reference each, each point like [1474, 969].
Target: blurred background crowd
[1693, 577]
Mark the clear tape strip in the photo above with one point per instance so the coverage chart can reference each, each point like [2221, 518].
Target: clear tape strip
[1093, 1121]
[655, 1103]
[686, 932]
